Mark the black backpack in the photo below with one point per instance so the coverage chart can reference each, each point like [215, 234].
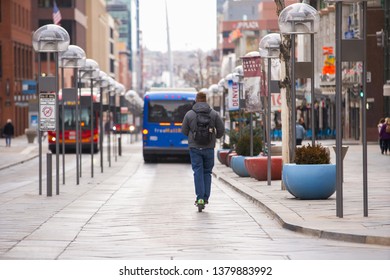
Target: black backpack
[203, 133]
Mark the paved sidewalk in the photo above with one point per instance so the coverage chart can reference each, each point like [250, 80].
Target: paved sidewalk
[313, 217]
[318, 217]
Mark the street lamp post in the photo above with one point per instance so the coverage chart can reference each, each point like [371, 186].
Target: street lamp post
[222, 90]
[111, 89]
[90, 71]
[137, 105]
[49, 38]
[300, 18]
[269, 48]
[73, 57]
[120, 91]
[349, 50]
[102, 83]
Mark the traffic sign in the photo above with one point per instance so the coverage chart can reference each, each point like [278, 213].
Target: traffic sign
[47, 112]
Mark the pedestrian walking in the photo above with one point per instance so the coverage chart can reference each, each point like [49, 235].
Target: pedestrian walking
[299, 133]
[302, 122]
[8, 132]
[385, 136]
[380, 124]
[203, 126]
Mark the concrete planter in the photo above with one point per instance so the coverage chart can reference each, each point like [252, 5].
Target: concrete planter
[310, 181]
[229, 158]
[222, 155]
[257, 167]
[31, 134]
[237, 163]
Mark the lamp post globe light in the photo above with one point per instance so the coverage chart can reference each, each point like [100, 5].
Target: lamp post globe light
[73, 57]
[90, 71]
[49, 38]
[269, 47]
[299, 18]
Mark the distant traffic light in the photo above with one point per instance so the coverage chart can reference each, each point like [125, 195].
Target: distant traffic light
[361, 92]
[380, 38]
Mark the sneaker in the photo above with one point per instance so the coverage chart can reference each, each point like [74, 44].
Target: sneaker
[200, 202]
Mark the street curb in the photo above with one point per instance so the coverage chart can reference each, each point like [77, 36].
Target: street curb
[323, 234]
[17, 163]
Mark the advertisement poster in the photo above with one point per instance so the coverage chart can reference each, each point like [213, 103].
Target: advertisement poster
[252, 74]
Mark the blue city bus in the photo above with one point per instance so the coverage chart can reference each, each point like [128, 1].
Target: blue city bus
[164, 110]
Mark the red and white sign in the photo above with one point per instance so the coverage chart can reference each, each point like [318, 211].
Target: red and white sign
[47, 112]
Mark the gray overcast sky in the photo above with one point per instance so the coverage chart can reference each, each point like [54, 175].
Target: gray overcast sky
[192, 24]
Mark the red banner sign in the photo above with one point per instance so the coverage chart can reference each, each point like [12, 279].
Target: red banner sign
[251, 66]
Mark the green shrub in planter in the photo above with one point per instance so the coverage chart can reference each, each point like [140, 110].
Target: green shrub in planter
[244, 145]
[316, 154]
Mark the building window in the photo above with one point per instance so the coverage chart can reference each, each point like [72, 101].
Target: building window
[111, 48]
[112, 65]
[111, 33]
[44, 3]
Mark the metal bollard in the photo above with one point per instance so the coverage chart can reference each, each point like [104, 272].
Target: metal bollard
[120, 146]
[49, 174]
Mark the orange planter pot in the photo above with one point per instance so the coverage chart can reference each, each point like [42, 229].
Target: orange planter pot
[257, 167]
[229, 158]
[222, 155]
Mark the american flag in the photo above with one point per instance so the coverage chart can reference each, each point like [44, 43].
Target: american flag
[56, 14]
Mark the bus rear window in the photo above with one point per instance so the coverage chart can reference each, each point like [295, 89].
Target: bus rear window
[168, 110]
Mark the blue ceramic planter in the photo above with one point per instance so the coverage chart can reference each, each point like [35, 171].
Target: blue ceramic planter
[310, 181]
[238, 165]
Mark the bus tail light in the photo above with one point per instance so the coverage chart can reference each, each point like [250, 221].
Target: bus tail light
[145, 132]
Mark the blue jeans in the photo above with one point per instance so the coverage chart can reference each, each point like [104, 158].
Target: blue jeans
[202, 161]
[8, 140]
